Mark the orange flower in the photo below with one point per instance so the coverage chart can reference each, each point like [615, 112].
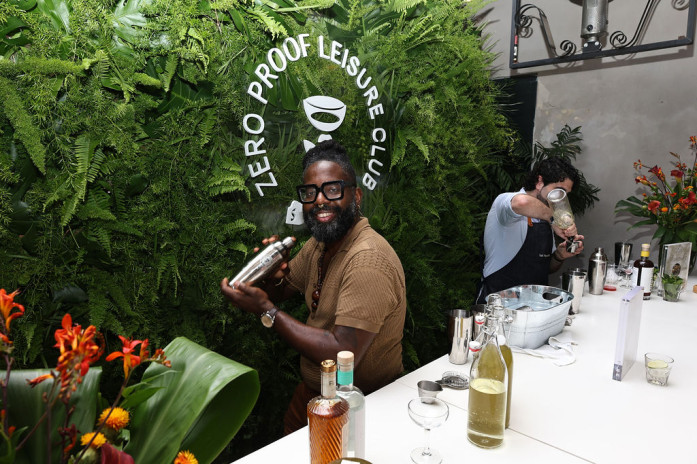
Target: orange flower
[185, 457]
[78, 351]
[117, 420]
[641, 180]
[130, 360]
[97, 443]
[7, 304]
[653, 205]
[664, 209]
[34, 382]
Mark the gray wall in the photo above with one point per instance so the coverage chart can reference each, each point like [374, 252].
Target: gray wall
[630, 107]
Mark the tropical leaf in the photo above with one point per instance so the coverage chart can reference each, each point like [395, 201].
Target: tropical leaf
[26, 407]
[128, 19]
[58, 11]
[200, 407]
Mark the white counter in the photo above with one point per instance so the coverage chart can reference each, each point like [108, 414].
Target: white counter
[570, 414]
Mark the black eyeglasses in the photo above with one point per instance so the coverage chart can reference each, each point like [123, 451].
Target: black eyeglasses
[333, 190]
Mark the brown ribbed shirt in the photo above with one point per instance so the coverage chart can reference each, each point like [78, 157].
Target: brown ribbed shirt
[363, 288]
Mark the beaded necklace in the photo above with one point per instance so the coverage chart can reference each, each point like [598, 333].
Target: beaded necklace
[320, 281]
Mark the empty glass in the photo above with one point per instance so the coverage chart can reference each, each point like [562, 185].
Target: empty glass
[427, 413]
[625, 266]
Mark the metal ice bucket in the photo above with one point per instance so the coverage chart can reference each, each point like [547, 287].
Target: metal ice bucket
[538, 312]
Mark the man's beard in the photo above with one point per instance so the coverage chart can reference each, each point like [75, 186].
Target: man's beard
[542, 199]
[334, 230]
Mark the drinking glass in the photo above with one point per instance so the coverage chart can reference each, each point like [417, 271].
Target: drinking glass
[626, 269]
[427, 413]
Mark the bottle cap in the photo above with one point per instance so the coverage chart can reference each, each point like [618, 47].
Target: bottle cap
[328, 365]
[344, 358]
[475, 346]
[645, 246]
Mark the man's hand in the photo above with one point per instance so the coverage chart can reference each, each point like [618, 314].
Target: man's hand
[250, 299]
[569, 232]
[562, 252]
[282, 270]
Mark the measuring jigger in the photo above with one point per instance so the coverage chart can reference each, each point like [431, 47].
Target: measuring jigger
[460, 332]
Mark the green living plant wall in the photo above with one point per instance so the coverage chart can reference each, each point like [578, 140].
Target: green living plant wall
[126, 195]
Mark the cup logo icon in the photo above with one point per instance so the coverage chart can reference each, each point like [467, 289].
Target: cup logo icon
[294, 213]
[321, 104]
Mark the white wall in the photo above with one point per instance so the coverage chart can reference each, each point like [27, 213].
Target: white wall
[638, 107]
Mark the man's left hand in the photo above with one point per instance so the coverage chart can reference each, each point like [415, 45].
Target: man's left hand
[563, 253]
[246, 297]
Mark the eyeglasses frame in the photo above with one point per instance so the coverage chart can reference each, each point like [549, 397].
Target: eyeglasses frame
[320, 189]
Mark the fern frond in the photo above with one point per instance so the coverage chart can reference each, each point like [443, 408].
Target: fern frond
[271, 25]
[231, 229]
[92, 210]
[205, 128]
[170, 70]
[102, 236]
[419, 142]
[68, 210]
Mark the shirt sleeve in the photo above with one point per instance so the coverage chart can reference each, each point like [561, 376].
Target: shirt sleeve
[504, 209]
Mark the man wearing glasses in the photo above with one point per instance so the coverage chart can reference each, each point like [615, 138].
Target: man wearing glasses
[352, 280]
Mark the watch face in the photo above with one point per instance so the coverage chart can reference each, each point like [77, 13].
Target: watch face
[267, 320]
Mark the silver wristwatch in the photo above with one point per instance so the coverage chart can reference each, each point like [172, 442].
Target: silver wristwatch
[268, 317]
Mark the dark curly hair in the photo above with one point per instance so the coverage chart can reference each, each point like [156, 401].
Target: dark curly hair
[330, 150]
[552, 170]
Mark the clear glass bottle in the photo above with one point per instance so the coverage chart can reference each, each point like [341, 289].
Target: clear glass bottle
[328, 417]
[356, 400]
[486, 415]
[643, 271]
[476, 344]
[502, 338]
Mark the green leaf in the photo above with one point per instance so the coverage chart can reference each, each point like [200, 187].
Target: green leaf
[26, 408]
[58, 11]
[128, 18]
[200, 408]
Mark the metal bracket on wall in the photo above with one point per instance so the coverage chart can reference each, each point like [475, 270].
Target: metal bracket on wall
[594, 24]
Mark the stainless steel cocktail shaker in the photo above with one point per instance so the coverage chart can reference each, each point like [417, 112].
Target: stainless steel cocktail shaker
[597, 267]
[264, 263]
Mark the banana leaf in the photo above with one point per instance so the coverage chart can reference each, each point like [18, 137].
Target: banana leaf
[26, 408]
[200, 408]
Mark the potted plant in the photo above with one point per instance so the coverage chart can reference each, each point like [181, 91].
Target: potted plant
[672, 286]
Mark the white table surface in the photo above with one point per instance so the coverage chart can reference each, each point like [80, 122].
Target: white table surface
[569, 414]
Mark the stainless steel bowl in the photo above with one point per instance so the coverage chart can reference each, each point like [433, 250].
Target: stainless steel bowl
[538, 312]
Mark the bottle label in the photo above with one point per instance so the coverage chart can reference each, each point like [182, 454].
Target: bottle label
[642, 276]
[344, 378]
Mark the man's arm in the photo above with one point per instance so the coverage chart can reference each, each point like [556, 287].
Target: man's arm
[529, 206]
[313, 343]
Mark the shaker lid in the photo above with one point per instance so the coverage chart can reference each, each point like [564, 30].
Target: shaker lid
[288, 243]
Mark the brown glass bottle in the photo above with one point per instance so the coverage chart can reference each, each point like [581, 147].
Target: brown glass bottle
[328, 416]
[643, 271]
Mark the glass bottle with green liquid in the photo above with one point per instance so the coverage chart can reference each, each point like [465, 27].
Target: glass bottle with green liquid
[486, 416]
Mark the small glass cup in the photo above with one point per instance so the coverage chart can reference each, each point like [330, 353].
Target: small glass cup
[612, 277]
[657, 368]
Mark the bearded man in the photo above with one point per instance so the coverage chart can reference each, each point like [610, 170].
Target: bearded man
[352, 280]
